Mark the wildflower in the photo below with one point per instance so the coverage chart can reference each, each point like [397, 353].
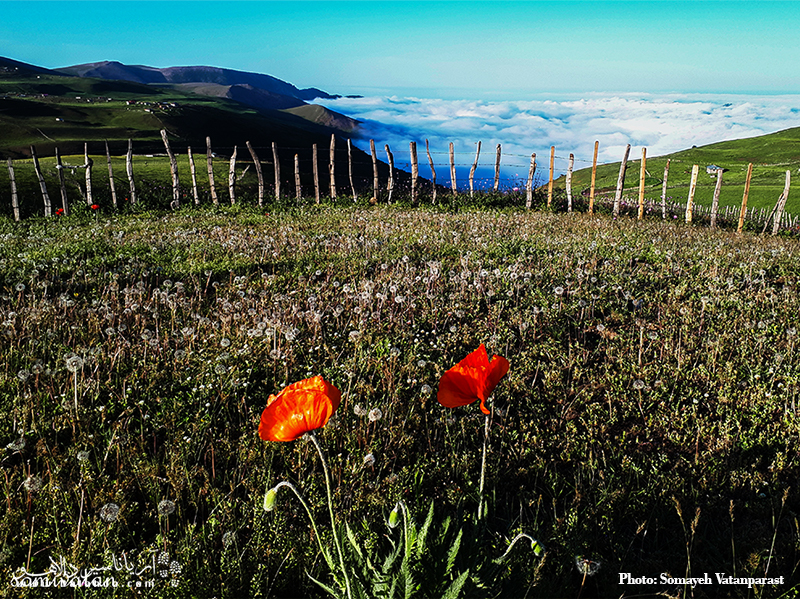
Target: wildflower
[59, 211]
[301, 407]
[94, 206]
[74, 363]
[473, 378]
[33, 484]
[109, 512]
[165, 507]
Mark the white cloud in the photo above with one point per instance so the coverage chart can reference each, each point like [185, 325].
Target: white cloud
[661, 123]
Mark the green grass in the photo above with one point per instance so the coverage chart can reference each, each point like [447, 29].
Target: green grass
[618, 425]
[772, 155]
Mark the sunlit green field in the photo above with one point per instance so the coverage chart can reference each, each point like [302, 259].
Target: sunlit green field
[648, 423]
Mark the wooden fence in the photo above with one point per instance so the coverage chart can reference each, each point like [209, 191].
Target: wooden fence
[621, 203]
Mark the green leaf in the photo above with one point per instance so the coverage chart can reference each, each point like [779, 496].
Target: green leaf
[454, 590]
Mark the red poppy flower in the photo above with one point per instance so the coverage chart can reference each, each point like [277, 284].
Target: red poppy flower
[473, 378]
[60, 211]
[301, 407]
[94, 206]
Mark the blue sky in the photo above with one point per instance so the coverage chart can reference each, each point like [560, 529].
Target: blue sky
[482, 49]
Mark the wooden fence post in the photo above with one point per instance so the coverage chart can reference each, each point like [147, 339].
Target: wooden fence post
[743, 210]
[14, 197]
[529, 184]
[414, 172]
[642, 173]
[497, 169]
[472, 170]
[621, 181]
[664, 191]
[350, 168]
[129, 170]
[315, 159]
[715, 201]
[232, 175]
[213, 187]
[594, 178]
[259, 172]
[297, 188]
[375, 181]
[42, 185]
[88, 163]
[111, 178]
[62, 184]
[173, 169]
[193, 171]
[453, 168]
[550, 181]
[332, 167]
[277, 168]
[390, 184]
[776, 223]
[570, 166]
[692, 188]
[433, 170]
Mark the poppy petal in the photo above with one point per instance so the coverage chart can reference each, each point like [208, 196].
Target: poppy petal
[472, 379]
[301, 407]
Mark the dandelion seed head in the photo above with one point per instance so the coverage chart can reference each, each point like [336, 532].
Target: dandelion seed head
[165, 507]
[375, 414]
[109, 512]
[369, 460]
[33, 484]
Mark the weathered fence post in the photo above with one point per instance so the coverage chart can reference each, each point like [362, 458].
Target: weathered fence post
[433, 170]
[664, 191]
[743, 210]
[350, 169]
[715, 200]
[173, 169]
[193, 171]
[642, 173]
[375, 182]
[211, 184]
[259, 172]
[414, 172]
[594, 178]
[232, 175]
[570, 166]
[776, 223]
[316, 171]
[111, 178]
[692, 188]
[62, 184]
[529, 184]
[472, 170]
[129, 170]
[87, 164]
[390, 184]
[332, 167]
[497, 169]
[42, 185]
[14, 197]
[453, 169]
[621, 180]
[550, 180]
[298, 190]
[277, 169]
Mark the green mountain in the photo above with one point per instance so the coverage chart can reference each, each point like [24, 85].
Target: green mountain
[772, 155]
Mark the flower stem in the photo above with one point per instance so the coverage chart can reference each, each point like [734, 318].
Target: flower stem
[308, 511]
[483, 465]
[314, 440]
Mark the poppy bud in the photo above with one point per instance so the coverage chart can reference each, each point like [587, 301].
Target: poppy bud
[269, 499]
[394, 516]
[537, 547]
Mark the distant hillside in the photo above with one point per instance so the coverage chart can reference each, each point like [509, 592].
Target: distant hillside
[255, 90]
[192, 74]
[772, 155]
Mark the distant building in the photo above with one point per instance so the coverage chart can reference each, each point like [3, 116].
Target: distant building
[713, 169]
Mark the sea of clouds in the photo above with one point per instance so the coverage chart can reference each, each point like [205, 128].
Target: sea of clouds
[661, 123]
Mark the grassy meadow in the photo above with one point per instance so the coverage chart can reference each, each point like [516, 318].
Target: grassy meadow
[648, 423]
